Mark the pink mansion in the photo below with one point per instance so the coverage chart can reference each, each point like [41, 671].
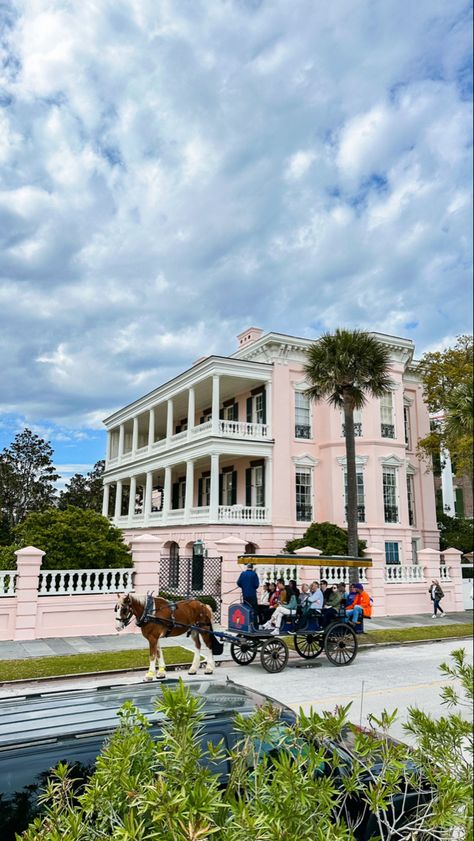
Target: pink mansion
[232, 446]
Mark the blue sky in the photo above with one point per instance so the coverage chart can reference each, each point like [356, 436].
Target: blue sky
[174, 172]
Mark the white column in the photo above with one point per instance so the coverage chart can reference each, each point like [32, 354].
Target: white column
[169, 419]
[214, 506]
[133, 493]
[118, 499]
[268, 487]
[447, 484]
[166, 493]
[268, 396]
[215, 404]
[121, 440]
[189, 497]
[191, 411]
[105, 500]
[148, 490]
[151, 427]
[135, 435]
[109, 445]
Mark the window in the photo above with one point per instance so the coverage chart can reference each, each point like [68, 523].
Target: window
[178, 494]
[360, 496]
[387, 426]
[357, 423]
[157, 499]
[204, 490]
[411, 500]
[390, 495]
[230, 413]
[256, 408]
[406, 420]
[414, 549]
[392, 552]
[459, 502]
[227, 485]
[304, 509]
[258, 490]
[302, 416]
[173, 571]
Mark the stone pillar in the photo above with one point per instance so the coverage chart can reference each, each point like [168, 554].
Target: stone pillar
[215, 404]
[166, 494]
[28, 562]
[146, 553]
[131, 499]
[191, 411]
[118, 499]
[105, 500]
[135, 435]
[148, 491]
[121, 441]
[455, 596]
[230, 548]
[214, 506]
[151, 427]
[307, 574]
[169, 420]
[189, 496]
[430, 560]
[376, 580]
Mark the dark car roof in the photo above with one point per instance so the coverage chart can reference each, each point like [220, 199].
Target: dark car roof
[58, 714]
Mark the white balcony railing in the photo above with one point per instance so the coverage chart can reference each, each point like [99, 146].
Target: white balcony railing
[201, 512]
[179, 436]
[444, 573]
[273, 573]
[241, 429]
[339, 575]
[7, 582]
[400, 574]
[242, 513]
[84, 581]
[201, 429]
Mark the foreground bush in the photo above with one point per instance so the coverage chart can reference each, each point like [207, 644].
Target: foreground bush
[284, 784]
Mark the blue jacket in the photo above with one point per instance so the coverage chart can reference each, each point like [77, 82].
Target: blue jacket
[249, 583]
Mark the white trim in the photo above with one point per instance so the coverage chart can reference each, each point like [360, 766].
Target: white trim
[391, 461]
[305, 460]
[408, 401]
[361, 461]
[411, 469]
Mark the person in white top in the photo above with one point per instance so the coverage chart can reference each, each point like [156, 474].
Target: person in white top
[316, 598]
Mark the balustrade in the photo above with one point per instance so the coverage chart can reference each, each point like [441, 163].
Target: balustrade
[273, 573]
[241, 429]
[444, 573]
[84, 581]
[239, 513]
[7, 582]
[401, 574]
[387, 430]
[340, 575]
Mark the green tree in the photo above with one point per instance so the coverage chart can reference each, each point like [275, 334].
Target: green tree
[455, 532]
[448, 389]
[74, 539]
[343, 369]
[27, 480]
[84, 491]
[329, 538]
[284, 783]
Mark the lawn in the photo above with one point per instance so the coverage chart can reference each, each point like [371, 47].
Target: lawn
[437, 632]
[76, 664]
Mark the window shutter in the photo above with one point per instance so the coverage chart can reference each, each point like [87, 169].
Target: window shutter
[175, 495]
[221, 414]
[201, 420]
[234, 487]
[263, 484]
[249, 409]
[178, 429]
[264, 405]
[221, 488]
[248, 486]
[199, 493]
[236, 412]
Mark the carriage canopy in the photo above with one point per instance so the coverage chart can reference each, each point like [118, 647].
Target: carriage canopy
[306, 560]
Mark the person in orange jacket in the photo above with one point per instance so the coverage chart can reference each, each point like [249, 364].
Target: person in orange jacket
[361, 606]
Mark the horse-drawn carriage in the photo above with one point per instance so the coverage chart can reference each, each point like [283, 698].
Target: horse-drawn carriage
[159, 618]
[310, 633]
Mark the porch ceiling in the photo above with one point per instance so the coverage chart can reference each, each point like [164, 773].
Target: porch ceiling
[229, 387]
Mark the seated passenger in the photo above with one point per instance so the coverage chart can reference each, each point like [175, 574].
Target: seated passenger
[294, 588]
[361, 606]
[282, 610]
[351, 595]
[315, 598]
[265, 607]
[331, 605]
[304, 595]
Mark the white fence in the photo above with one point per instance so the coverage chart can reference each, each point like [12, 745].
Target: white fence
[79, 582]
[401, 574]
[243, 513]
[7, 582]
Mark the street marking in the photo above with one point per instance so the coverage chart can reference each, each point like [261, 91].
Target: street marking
[373, 693]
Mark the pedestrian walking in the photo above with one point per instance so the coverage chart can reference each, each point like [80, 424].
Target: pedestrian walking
[436, 594]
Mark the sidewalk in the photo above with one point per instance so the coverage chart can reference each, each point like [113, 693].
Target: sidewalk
[10, 650]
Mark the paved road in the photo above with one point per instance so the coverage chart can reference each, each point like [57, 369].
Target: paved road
[395, 677]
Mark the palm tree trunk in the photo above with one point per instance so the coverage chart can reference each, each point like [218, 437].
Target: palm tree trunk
[352, 519]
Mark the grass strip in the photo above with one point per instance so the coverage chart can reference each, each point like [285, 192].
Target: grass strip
[76, 664]
[435, 632]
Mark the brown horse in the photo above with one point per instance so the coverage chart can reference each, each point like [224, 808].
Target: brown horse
[183, 613]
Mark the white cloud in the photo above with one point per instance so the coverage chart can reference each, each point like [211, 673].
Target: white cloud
[172, 172]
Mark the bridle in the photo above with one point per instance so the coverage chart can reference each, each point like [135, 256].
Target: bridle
[123, 619]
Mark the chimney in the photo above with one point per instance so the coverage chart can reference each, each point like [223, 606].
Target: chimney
[249, 336]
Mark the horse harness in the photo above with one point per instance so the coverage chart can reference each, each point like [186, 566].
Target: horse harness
[148, 615]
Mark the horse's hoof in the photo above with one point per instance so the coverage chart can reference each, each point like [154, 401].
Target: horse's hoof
[208, 671]
[161, 676]
[192, 672]
[148, 678]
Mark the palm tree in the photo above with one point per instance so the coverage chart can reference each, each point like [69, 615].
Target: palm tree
[343, 368]
[458, 426]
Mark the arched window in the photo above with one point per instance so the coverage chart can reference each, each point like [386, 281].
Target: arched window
[250, 549]
[173, 574]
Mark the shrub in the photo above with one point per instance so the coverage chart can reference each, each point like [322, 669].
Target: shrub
[8, 557]
[329, 538]
[172, 597]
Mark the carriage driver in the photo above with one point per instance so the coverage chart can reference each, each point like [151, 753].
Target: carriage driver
[249, 583]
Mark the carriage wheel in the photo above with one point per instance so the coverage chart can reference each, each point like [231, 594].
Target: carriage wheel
[274, 655]
[243, 652]
[340, 644]
[308, 646]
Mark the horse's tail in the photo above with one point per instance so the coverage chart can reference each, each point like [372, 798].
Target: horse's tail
[216, 646]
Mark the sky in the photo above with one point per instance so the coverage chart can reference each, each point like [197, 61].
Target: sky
[175, 171]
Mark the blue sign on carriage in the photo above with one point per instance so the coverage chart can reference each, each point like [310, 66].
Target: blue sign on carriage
[240, 618]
